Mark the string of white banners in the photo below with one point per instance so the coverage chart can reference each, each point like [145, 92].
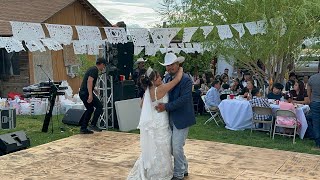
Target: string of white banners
[90, 39]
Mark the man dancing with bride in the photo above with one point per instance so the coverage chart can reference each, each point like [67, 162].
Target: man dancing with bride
[166, 115]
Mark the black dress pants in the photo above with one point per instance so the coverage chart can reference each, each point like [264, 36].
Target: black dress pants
[90, 109]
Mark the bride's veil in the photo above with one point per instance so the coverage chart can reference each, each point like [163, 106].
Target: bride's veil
[147, 126]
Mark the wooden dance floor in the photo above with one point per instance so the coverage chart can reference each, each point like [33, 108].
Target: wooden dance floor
[110, 155]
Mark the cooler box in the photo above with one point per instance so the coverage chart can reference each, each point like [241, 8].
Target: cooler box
[8, 118]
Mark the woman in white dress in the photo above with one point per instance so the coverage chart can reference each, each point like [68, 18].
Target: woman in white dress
[155, 161]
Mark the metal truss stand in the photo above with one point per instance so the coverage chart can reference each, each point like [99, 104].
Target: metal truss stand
[105, 87]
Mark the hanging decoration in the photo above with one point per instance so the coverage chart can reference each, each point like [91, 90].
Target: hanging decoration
[79, 47]
[198, 47]
[175, 48]
[224, 32]
[252, 27]
[151, 49]
[188, 48]
[206, 30]
[116, 35]
[140, 36]
[89, 37]
[35, 45]
[262, 26]
[163, 36]
[11, 44]
[52, 44]
[25, 31]
[88, 33]
[138, 49]
[61, 33]
[93, 48]
[239, 27]
[188, 33]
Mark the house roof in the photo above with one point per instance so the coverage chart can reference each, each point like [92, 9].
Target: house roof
[38, 11]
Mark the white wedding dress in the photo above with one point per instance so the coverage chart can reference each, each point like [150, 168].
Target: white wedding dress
[155, 161]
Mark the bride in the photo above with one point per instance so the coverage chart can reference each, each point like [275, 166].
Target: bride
[155, 161]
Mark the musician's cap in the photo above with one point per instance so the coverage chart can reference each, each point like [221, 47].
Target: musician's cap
[101, 61]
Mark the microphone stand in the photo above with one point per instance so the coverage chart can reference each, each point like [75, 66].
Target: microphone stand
[53, 94]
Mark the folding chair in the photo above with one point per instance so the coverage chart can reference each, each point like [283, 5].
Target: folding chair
[261, 111]
[286, 113]
[214, 114]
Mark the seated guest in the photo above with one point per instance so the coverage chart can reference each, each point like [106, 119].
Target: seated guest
[225, 89]
[299, 93]
[276, 92]
[224, 79]
[212, 98]
[246, 92]
[287, 105]
[258, 101]
[246, 77]
[236, 86]
[290, 83]
[203, 85]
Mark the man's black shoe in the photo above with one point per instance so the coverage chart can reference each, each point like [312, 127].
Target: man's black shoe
[95, 128]
[186, 174]
[85, 131]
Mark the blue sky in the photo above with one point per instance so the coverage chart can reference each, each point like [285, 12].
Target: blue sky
[135, 13]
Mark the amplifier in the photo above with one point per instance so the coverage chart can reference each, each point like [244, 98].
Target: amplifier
[8, 118]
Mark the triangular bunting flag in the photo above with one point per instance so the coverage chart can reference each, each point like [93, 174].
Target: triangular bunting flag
[252, 27]
[137, 50]
[188, 33]
[239, 27]
[206, 30]
[224, 32]
[262, 26]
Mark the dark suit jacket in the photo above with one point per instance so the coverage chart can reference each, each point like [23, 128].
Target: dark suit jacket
[180, 105]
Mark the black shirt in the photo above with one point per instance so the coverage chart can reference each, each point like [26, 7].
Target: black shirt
[289, 85]
[274, 96]
[298, 97]
[92, 72]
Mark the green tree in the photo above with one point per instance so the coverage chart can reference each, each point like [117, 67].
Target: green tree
[275, 50]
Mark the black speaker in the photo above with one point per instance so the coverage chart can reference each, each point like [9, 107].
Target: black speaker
[125, 59]
[12, 142]
[73, 117]
[123, 90]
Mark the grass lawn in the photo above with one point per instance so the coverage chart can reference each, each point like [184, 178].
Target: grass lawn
[32, 126]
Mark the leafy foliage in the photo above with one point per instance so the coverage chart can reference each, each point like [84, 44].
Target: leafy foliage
[85, 64]
[276, 51]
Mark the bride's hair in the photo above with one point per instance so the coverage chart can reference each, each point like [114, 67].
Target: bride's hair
[146, 81]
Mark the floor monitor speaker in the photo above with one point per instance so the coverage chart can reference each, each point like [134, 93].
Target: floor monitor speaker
[73, 117]
[12, 142]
